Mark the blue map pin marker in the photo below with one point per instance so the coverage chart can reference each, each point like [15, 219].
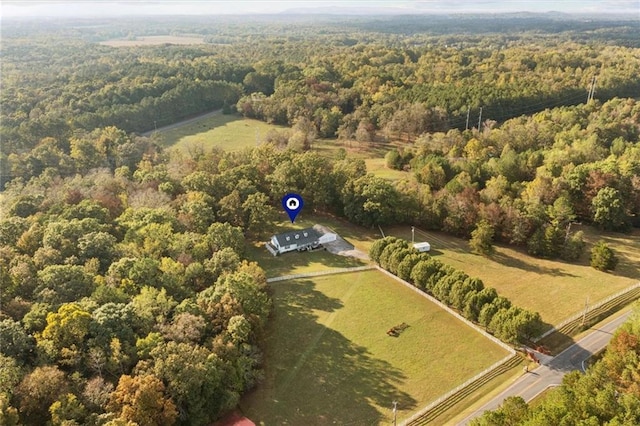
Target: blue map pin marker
[292, 204]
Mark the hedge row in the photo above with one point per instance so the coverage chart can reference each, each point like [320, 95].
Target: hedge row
[458, 290]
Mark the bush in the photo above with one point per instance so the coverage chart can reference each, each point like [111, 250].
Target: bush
[603, 257]
[481, 241]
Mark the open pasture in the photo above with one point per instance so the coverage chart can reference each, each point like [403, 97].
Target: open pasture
[229, 132]
[329, 359]
[233, 133]
[554, 288]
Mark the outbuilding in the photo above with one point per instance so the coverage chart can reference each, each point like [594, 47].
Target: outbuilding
[422, 247]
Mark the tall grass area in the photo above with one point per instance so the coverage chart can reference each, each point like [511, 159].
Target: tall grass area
[554, 288]
[329, 360]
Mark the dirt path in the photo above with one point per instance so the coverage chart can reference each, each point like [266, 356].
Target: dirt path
[183, 122]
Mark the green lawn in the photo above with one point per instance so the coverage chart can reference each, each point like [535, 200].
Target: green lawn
[229, 132]
[554, 288]
[378, 167]
[329, 360]
[296, 263]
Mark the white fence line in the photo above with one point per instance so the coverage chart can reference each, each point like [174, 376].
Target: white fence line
[452, 392]
[320, 273]
[580, 314]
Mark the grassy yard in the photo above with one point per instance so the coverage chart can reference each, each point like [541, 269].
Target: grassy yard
[229, 132]
[329, 360]
[554, 288]
[296, 263]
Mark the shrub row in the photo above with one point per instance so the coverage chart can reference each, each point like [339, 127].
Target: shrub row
[458, 290]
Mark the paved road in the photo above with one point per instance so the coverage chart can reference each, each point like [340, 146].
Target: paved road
[183, 122]
[531, 384]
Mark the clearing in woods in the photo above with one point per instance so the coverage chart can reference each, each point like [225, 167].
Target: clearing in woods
[229, 132]
[329, 359]
[233, 133]
[153, 41]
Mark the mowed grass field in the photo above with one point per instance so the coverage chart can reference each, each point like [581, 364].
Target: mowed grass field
[230, 132]
[554, 288]
[328, 358]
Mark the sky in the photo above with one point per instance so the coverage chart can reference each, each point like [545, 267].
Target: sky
[141, 7]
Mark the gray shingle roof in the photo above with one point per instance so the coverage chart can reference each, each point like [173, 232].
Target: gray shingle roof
[299, 237]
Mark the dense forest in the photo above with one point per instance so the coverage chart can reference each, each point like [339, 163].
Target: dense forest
[125, 291]
[607, 394]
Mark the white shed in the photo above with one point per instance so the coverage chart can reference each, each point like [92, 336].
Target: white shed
[422, 247]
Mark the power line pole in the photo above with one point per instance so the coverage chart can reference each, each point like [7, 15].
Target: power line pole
[413, 229]
[479, 119]
[468, 112]
[395, 410]
[586, 307]
[592, 89]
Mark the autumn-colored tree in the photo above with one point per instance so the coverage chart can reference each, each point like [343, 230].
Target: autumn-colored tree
[38, 390]
[143, 400]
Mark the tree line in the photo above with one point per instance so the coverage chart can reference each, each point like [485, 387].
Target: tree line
[456, 289]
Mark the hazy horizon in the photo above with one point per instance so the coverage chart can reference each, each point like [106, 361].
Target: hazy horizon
[142, 8]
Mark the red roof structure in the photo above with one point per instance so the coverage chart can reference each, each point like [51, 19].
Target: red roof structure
[235, 419]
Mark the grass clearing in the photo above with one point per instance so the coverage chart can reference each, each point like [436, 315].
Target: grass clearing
[554, 288]
[229, 132]
[233, 133]
[378, 167]
[329, 360]
[153, 41]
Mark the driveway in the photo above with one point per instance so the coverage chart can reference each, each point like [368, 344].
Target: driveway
[340, 246]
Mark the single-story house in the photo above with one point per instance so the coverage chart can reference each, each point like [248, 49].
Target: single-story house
[300, 240]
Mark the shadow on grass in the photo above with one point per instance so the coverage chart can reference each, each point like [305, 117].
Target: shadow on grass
[313, 374]
[513, 262]
[295, 262]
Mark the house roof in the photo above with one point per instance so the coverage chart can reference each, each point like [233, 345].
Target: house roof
[299, 236]
[234, 419]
